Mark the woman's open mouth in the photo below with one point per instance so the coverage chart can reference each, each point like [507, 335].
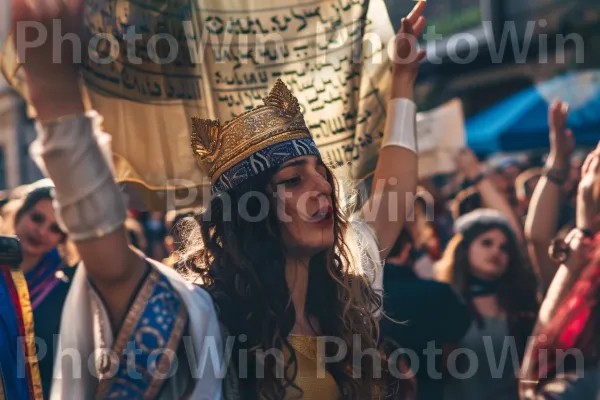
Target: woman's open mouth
[323, 216]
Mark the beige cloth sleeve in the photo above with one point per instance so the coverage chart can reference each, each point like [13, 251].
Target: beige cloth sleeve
[75, 154]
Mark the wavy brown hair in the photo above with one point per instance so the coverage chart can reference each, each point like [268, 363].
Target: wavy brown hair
[517, 293]
[242, 265]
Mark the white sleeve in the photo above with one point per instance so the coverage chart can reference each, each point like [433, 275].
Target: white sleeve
[75, 154]
[365, 252]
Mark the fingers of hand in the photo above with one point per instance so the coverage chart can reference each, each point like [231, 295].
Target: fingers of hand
[38, 10]
[23, 10]
[407, 27]
[419, 25]
[589, 160]
[559, 111]
[417, 11]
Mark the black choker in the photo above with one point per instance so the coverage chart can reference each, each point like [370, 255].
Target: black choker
[482, 287]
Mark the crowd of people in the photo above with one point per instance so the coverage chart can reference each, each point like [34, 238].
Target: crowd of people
[477, 290]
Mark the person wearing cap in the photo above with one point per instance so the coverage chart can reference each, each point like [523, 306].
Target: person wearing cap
[485, 265]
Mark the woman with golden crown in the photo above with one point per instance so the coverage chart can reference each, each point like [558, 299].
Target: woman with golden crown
[288, 273]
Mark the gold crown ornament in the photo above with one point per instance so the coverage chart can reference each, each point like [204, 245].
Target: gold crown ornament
[258, 140]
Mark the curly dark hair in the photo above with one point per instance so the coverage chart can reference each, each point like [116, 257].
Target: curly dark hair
[517, 295]
[242, 265]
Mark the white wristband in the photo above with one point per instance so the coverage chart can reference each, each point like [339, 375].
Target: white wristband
[400, 124]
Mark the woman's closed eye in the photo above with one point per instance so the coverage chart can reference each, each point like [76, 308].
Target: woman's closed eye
[290, 181]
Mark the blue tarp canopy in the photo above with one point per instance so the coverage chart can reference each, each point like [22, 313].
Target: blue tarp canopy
[520, 122]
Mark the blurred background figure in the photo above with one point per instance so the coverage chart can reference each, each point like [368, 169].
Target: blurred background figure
[48, 266]
[524, 186]
[484, 263]
[137, 238]
[176, 231]
[155, 232]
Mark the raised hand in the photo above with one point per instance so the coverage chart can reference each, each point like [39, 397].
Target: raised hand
[50, 68]
[588, 194]
[407, 56]
[562, 142]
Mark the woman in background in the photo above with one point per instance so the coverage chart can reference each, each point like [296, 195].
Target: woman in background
[484, 264]
[47, 270]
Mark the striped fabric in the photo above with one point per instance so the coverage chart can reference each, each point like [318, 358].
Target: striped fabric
[43, 278]
[18, 293]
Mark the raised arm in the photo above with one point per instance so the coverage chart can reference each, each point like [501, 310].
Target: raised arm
[541, 223]
[578, 262]
[88, 203]
[472, 169]
[396, 171]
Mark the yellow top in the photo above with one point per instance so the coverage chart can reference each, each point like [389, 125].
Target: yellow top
[316, 383]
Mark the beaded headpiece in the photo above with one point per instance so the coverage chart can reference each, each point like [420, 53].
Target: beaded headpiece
[253, 142]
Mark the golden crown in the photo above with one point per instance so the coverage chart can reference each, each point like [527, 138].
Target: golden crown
[218, 148]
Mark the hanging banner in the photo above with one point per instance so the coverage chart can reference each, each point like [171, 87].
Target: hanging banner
[153, 65]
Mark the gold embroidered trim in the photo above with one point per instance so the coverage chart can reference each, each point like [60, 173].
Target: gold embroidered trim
[131, 321]
[27, 315]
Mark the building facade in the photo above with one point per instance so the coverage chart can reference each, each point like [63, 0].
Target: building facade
[494, 48]
[16, 133]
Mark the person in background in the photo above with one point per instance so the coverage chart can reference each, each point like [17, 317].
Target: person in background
[484, 264]
[548, 202]
[175, 229]
[155, 232]
[432, 314]
[524, 186]
[568, 321]
[465, 201]
[135, 231]
[48, 267]
[510, 169]
[489, 196]
[440, 221]
[500, 182]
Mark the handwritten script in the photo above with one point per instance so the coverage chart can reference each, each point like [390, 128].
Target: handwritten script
[155, 64]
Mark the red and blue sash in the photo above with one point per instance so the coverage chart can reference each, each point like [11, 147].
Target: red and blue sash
[19, 323]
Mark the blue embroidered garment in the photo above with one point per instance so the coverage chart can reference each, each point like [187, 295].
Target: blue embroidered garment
[13, 383]
[151, 332]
